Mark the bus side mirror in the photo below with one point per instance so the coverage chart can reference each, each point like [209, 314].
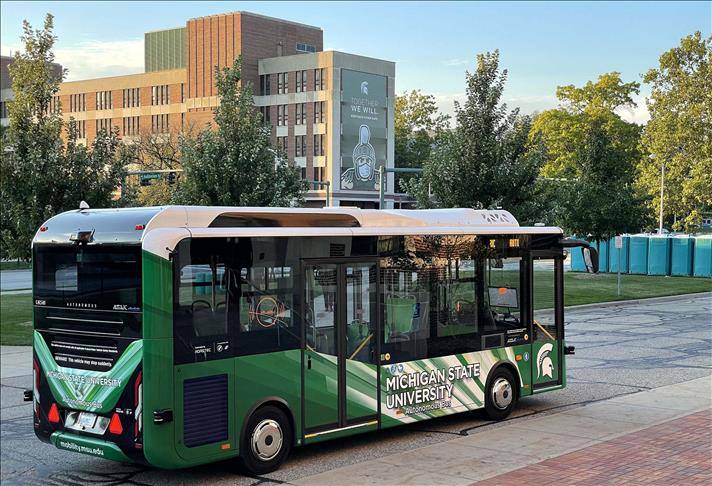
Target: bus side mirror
[590, 259]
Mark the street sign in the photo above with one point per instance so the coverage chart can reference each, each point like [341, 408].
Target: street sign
[150, 176]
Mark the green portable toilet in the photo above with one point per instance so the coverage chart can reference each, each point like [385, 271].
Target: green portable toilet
[638, 254]
[702, 261]
[602, 247]
[614, 254]
[681, 259]
[659, 255]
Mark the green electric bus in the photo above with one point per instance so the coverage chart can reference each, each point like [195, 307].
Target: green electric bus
[176, 336]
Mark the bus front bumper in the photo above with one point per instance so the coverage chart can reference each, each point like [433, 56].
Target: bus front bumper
[89, 446]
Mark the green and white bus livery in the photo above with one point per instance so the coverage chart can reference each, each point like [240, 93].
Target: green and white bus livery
[177, 336]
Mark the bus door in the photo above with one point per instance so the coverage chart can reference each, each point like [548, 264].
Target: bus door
[340, 358]
[547, 320]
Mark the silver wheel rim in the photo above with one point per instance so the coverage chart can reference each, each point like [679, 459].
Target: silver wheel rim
[267, 440]
[501, 393]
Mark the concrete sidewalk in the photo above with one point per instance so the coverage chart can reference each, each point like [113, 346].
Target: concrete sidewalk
[15, 361]
[525, 441]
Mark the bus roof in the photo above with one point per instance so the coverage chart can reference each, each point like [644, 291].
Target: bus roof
[134, 225]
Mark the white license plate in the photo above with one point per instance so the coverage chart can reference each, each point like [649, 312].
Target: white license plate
[86, 420]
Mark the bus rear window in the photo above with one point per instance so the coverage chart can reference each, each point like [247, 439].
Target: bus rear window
[91, 277]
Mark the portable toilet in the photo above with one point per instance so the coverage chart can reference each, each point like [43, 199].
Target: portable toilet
[615, 254]
[638, 254]
[659, 255]
[681, 259]
[703, 256]
[602, 247]
[577, 263]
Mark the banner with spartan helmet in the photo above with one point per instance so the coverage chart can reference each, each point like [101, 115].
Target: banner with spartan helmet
[364, 129]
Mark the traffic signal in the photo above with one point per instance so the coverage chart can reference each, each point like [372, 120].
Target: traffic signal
[171, 178]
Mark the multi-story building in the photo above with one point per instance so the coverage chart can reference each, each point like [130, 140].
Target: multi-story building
[331, 112]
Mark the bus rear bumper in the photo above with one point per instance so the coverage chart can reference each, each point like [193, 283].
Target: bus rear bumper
[89, 446]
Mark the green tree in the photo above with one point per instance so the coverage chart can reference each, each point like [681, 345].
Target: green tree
[236, 163]
[39, 175]
[679, 133]
[487, 160]
[417, 127]
[591, 156]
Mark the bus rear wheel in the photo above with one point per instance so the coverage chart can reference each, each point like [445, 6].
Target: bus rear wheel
[267, 441]
[501, 395]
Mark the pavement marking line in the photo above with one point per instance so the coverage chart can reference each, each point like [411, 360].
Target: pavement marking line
[482, 456]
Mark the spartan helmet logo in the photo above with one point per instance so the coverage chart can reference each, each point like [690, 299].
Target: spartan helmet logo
[364, 87]
[544, 365]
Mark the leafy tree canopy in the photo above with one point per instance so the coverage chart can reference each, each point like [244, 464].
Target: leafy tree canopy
[679, 133]
[235, 164]
[40, 176]
[591, 154]
[486, 161]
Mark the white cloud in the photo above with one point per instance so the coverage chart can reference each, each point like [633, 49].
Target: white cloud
[526, 104]
[638, 114]
[96, 59]
[456, 62]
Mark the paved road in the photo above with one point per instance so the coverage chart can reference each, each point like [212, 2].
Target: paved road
[620, 349]
[15, 280]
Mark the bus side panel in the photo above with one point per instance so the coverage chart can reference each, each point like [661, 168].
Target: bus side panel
[423, 389]
[269, 377]
[159, 439]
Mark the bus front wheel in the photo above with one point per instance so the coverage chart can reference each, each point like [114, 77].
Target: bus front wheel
[268, 440]
[501, 395]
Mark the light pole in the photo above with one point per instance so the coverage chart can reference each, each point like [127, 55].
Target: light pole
[662, 195]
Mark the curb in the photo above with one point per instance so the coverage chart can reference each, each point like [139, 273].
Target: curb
[649, 300]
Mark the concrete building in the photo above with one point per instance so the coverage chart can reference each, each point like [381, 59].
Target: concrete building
[332, 112]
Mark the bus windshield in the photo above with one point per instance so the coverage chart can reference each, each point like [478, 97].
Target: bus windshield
[88, 277]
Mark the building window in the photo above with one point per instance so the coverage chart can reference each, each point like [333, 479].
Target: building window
[131, 125]
[159, 95]
[159, 123]
[103, 100]
[3, 109]
[282, 115]
[266, 117]
[77, 102]
[304, 173]
[301, 81]
[103, 124]
[265, 88]
[319, 174]
[300, 146]
[302, 47]
[54, 105]
[319, 145]
[132, 98]
[283, 145]
[301, 118]
[319, 79]
[282, 83]
[319, 108]
[81, 129]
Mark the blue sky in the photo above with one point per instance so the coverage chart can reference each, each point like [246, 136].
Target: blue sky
[542, 44]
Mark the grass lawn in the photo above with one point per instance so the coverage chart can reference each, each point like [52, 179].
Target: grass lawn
[580, 288]
[16, 318]
[15, 265]
[585, 288]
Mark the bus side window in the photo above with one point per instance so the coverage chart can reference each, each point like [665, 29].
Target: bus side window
[201, 301]
[502, 294]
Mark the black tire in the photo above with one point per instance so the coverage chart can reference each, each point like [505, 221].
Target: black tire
[259, 452]
[501, 394]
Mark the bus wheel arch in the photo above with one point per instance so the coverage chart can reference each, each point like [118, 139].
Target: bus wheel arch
[267, 413]
[506, 371]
